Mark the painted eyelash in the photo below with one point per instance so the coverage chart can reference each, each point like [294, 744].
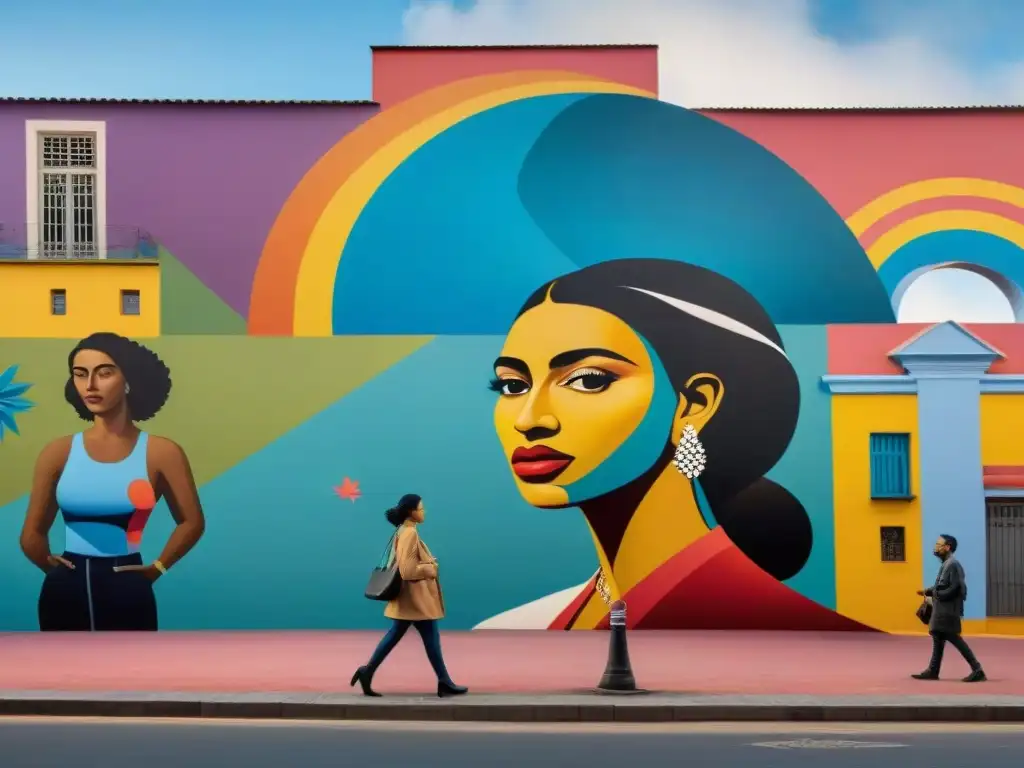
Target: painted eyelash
[584, 372]
[497, 384]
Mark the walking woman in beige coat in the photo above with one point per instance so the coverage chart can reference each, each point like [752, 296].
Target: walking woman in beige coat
[419, 602]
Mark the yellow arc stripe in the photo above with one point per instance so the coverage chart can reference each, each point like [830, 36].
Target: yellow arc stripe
[944, 221]
[932, 189]
[314, 291]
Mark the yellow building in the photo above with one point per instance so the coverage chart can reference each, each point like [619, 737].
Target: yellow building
[70, 299]
[926, 441]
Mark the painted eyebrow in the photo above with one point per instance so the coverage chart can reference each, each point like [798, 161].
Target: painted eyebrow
[514, 363]
[100, 367]
[563, 359]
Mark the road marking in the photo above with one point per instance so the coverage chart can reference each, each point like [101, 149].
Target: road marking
[826, 744]
[740, 729]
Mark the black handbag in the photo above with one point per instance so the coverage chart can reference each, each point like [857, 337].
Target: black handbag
[385, 580]
[924, 611]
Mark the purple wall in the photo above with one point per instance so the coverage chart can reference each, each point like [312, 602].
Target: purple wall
[206, 181]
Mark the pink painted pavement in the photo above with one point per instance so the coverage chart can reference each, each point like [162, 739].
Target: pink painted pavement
[498, 662]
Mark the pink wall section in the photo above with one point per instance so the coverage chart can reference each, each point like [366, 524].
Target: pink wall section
[399, 73]
[853, 157]
[862, 350]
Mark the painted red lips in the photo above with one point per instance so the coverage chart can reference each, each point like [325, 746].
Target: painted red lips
[539, 464]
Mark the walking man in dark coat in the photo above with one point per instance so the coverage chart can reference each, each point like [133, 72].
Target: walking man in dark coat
[948, 596]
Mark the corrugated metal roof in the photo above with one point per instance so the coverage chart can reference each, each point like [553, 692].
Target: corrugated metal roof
[217, 102]
[368, 103]
[929, 108]
[549, 46]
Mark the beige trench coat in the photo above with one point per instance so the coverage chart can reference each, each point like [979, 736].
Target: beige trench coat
[420, 597]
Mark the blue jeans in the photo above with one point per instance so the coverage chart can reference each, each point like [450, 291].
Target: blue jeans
[431, 642]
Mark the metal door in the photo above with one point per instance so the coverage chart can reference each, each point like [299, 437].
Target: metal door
[1005, 550]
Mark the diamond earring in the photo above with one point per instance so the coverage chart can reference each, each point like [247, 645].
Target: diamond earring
[127, 387]
[689, 457]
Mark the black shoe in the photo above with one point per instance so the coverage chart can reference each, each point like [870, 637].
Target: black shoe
[977, 676]
[450, 689]
[926, 675]
[364, 676]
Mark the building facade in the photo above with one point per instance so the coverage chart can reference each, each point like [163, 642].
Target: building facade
[367, 295]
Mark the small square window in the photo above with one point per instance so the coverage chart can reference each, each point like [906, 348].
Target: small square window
[131, 303]
[58, 301]
[894, 544]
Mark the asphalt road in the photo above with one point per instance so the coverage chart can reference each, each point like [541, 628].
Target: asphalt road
[42, 743]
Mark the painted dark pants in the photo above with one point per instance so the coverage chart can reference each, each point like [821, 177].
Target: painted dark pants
[431, 642]
[939, 640]
[93, 597]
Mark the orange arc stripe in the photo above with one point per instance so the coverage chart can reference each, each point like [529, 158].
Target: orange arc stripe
[272, 300]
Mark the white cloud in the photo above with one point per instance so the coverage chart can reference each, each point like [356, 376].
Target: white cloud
[766, 53]
[735, 52]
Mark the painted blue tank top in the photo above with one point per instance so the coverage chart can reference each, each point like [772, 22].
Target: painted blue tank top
[93, 498]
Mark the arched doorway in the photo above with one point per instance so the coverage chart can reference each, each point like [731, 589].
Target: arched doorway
[959, 291]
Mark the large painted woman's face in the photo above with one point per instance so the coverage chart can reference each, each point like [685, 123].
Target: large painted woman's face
[575, 386]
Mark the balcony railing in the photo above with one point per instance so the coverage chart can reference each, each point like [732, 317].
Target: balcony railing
[112, 242]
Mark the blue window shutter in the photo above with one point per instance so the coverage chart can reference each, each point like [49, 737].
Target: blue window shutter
[890, 465]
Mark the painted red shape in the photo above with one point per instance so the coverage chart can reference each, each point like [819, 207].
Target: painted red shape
[349, 489]
[143, 498]
[399, 73]
[137, 525]
[712, 585]
[1003, 477]
[141, 494]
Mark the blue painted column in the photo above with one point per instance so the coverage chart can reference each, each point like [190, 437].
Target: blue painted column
[947, 362]
[952, 488]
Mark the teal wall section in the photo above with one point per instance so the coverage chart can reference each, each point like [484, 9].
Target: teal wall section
[806, 468]
[283, 551]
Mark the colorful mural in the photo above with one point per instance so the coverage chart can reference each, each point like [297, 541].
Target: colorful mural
[105, 482]
[627, 332]
[611, 382]
[12, 400]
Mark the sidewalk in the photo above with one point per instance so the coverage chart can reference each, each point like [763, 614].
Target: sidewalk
[515, 676]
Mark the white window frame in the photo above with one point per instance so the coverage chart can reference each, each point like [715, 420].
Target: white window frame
[34, 131]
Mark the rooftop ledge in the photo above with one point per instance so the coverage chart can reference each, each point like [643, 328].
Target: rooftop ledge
[139, 262]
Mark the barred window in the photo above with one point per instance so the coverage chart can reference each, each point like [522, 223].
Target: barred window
[67, 191]
[894, 544]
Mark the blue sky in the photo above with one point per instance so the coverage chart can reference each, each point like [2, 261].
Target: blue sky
[320, 48]
[713, 53]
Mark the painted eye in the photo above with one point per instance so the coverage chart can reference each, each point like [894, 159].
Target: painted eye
[509, 387]
[590, 380]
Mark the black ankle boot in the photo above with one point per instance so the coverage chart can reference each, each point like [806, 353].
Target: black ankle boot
[364, 676]
[450, 689]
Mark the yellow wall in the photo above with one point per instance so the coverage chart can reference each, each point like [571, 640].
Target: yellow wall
[1001, 423]
[93, 298]
[876, 593]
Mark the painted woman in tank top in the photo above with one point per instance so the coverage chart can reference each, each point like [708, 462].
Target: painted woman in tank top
[105, 482]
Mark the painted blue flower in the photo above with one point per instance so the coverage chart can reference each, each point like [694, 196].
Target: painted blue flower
[11, 400]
